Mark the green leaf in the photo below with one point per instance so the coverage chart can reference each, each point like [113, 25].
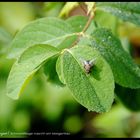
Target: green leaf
[59, 69]
[128, 97]
[24, 68]
[101, 21]
[126, 72]
[50, 31]
[127, 11]
[77, 24]
[84, 40]
[50, 71]
[67, 42]
[94, 91]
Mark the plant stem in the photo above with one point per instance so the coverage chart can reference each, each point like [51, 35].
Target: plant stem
[88, 22]
[84, 30]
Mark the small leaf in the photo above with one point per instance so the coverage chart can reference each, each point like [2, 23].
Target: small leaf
[126, 72]
[94, 91]
[24, 68]
[127, 11]
[49, 30]
[128, 97]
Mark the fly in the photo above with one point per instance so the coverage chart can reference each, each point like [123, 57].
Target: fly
[88, 64]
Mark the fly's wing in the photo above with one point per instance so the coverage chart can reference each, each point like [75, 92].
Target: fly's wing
[92, 62]
[84, 62]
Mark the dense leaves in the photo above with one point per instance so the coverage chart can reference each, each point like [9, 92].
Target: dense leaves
[51, 41]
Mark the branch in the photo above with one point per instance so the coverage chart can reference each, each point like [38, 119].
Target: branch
[91, 16]
[88, 22]
[83, 31]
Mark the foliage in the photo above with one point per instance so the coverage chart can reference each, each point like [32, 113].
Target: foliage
[74, 41]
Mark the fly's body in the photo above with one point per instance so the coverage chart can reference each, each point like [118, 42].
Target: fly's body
[88, 64]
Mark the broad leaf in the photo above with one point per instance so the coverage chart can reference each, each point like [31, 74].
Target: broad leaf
[50, 31]
[127, 11]
[125, 71]
[24, 68]
[95, 90]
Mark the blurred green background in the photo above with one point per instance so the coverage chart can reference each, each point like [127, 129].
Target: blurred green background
[47, 107]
